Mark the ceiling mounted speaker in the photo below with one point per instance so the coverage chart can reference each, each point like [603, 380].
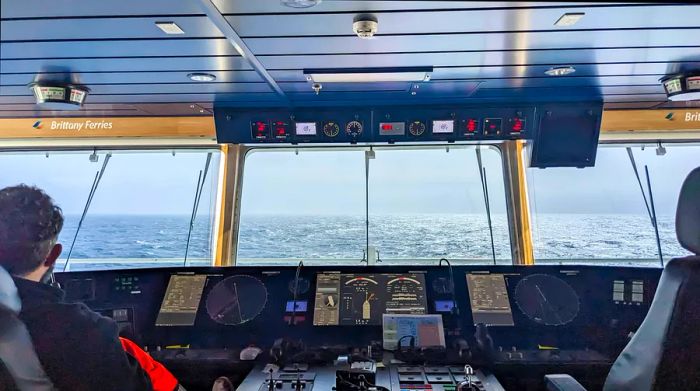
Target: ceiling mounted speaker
[683, 86]
[56, 97]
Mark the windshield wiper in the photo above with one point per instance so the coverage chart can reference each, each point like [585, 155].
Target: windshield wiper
[649, 204]
[197, 197]
[93, 190]
[485, 191]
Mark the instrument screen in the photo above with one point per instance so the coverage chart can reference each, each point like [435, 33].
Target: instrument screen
[362, 299]
[181, 301]
[489, 300]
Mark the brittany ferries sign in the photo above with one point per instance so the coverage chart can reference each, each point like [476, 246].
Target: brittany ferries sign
[108, 127]
[672, 121]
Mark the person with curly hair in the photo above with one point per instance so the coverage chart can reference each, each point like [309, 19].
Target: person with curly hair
[78, 348]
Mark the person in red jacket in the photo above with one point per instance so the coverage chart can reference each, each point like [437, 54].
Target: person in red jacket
[78, 348]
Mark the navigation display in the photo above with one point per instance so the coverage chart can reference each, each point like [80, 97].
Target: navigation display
[362, 299]
[305, 128]
[181, 301]
[488, 297]
[427, 331]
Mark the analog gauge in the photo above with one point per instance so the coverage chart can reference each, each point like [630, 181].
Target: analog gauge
[331, 129]
[416, 128]
[547, 299]
[236, 300]
[353, 128]
[442, 285]
[302, 285]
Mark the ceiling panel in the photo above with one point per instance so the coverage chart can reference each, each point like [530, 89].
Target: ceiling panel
[184, 64]
[82, 8]
[577, 56]
[476, 42]
[189, 88]
[128, 48]
[249, 7]
[102, 28]
[131, 77]
[480, 51]
[451, 21]
[340, 24]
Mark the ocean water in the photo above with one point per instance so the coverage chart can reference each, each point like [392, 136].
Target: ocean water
[419, 238]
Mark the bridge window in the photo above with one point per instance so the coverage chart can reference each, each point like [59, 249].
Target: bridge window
[424, 204]
[307, 206]
[140, 213]
[598, 214]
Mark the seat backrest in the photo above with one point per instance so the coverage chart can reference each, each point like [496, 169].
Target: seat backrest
[20, 368]
[664, 353]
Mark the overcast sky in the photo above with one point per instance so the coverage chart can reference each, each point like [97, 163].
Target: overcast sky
[332, 182]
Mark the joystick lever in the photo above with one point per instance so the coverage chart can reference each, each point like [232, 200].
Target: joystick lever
[468, 383]
[271, 382]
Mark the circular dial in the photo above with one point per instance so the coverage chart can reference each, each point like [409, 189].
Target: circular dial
[331, 129]
[353, 128]
[302, 284]
[236, 300]
[547, 300]
[416, 128]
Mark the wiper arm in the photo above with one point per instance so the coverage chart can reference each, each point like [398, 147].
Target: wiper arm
[93, 190]
[649, 204]
[197, 197]
[485, 191]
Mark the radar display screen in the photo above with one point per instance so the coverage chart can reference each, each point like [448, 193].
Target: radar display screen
[181, 301]
[362, 299]
[489, 300]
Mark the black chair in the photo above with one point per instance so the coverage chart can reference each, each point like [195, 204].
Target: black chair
[20, 368]
[664, 354]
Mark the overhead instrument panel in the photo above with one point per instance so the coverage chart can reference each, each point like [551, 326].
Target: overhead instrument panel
[372, 125]
[362, 299]
[547, 299]
[236, 300]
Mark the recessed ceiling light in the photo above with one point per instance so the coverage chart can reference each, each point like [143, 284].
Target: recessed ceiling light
[300, 3]
[199, 76]
[170, 28]
[560, 71]
[569, 19]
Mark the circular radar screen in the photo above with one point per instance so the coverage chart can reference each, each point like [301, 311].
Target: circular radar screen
[353, 128]
[236, 300]
[416, 128]
[331, 129]
[547, 299]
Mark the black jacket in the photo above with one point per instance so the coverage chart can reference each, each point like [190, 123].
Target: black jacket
[78, 348]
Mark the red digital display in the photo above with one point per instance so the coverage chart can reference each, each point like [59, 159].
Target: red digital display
[260, 130]
[517, 125]
[387, 127]
[472, 125]
[280, 129]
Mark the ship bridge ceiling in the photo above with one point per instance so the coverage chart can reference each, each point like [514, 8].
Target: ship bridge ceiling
[480, 52]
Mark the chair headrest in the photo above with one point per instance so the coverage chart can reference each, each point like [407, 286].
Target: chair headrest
[688, 213]
[9, 298]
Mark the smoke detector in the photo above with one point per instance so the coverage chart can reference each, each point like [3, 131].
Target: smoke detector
[365, 26]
